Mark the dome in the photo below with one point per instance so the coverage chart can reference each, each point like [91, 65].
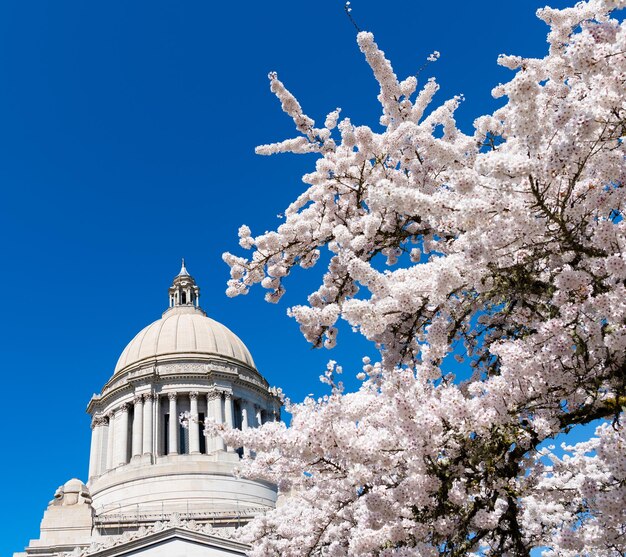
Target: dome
[184, 330]
[146, 470]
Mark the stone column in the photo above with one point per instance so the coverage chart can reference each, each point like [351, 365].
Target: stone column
[172, 434]
[101, 466]
[214, 410]
[110, 440]
[97, 429]
[137, 448]
[121, 435]
[194, 428]
[148, 424]
[228, 413]
[245, 424]
[258, 415]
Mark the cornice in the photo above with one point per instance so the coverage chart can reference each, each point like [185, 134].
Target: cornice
[206, 357]
[210, 371]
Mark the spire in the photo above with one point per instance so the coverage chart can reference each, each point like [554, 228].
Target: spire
[183, 271]
[184, 290]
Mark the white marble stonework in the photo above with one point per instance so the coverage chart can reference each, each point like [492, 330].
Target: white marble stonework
[153, 487]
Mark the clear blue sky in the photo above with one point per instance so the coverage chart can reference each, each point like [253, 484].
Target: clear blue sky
[127, 135]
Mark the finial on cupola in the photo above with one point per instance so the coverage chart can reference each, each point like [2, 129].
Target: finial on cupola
[183, 270]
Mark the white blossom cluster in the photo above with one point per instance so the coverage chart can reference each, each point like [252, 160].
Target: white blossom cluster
[508, 245]
[579, 500]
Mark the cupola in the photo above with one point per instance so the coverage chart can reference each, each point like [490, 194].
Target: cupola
[184, 290]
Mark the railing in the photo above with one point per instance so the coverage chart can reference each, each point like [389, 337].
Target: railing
[112, 518]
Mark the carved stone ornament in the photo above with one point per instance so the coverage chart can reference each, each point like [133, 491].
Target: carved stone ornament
[218, 366]
[182, 368]
[193, 395]
[175, 520]
[249, 377]
[148, 396]
[138, 399]
[172, 396]
[214, 394]
[98, 420]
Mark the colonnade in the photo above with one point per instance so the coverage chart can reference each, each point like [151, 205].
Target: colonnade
[115, 440]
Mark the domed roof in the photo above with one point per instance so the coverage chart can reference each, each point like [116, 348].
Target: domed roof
[184, 331]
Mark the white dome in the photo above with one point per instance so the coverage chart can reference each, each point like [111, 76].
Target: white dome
[184, 330]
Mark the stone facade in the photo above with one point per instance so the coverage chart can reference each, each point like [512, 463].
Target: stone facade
[154, 486]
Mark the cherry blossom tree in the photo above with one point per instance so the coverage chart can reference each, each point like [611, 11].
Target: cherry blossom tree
[505, 247]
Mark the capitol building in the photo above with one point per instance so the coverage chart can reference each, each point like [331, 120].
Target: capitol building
[154, 488]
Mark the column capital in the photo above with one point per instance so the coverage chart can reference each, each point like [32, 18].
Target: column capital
[193, 395]
[172, 396]
[98, 420]
[228, 395]
[138, 399]
[214, 394]
[149, 396]
[122, 408]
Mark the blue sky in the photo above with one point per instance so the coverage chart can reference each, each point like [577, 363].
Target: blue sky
[127, 135]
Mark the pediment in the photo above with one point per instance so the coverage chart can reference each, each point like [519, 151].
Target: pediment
[168, 542]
